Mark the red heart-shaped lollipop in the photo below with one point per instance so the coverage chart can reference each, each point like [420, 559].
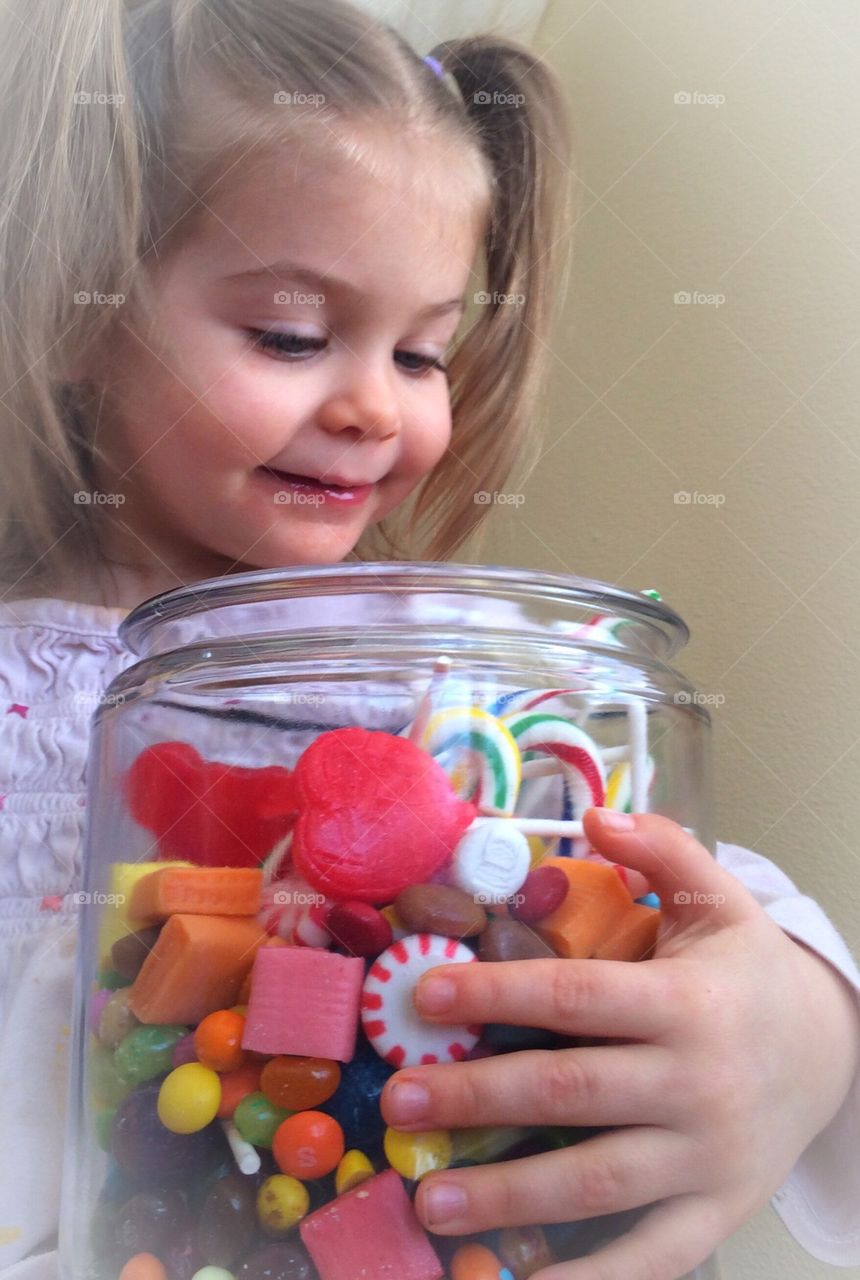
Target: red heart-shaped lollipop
[376, 814]
[208, 812]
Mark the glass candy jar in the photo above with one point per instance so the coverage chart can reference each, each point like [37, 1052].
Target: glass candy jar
[312, 786]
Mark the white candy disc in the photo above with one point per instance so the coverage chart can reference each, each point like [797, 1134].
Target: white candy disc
[390, 1020]
[492, 860]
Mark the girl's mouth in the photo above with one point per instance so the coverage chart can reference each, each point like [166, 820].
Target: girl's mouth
[309, 491]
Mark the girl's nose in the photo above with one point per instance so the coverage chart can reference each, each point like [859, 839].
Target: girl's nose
[367, 405]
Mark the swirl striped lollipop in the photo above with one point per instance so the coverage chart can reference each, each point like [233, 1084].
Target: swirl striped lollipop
[579, 754]
[489, 749]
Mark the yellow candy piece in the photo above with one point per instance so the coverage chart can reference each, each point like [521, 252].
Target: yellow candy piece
[414, 1154]
[353, 1169]
[115, 923]
[538, 849]
[281, 1202]
[189, 1098]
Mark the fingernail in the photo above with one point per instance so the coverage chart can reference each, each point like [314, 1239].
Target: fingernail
[616, 821]
[434, 995]
[443, 1201]
[408, 1100]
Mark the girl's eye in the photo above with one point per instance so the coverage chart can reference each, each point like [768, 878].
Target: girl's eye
[294, 346]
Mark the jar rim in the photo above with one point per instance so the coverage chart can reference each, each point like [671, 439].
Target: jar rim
[422, 577]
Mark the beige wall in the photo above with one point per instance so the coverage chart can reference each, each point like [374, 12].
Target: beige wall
[756, 400]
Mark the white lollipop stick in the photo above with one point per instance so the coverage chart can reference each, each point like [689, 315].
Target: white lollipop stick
[637, 723]
[441, 667]
[246, 1156]
[556, 827]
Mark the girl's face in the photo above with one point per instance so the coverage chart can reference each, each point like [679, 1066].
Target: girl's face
[326, 366]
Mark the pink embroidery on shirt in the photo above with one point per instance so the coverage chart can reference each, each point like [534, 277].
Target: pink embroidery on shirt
[53, 902]
[17, 708]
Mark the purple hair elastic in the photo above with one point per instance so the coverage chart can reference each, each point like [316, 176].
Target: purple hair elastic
[435, 65]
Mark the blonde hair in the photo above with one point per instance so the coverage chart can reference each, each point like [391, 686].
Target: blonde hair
[118, 114]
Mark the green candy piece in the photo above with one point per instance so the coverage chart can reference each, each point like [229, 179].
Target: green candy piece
[112, 980]
[146, 1052]
[104, 1128]
[257, 1119]
[106, 1088]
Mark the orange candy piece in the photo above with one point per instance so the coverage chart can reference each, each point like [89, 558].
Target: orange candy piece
[309, 1144]
[206, 891]
[143, 1266]
[633, 937]
[598, 918]
[475, 1262]
[236, 1085]
[297, 1084]
[218, 1040]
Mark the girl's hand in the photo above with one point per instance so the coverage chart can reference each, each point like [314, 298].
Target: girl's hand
[737, 1047]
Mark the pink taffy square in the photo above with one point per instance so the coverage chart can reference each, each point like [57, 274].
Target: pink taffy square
[371, 1231]
[304, 1001]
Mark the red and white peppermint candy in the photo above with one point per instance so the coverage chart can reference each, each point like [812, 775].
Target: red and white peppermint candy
[390, 1020]
[293, 910]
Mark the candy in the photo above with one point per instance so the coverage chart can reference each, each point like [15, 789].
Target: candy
[555, 736]
[304, 1001]
[211, 813]
[542, 891]
[205, 891]
[309, 1144]
[511, 940]
[128, 953]
[633, 937]
[218, 1040]
[228, 1219]
[358, 927]
[415, 1154]
[147, 1152]
[297, 1084]
[143, 1266]
[376, 813]
[189, 1098]
[355, 1103]
[389, 1017]
[103, 1125]
[106, 1088]
[184, 1051]
[439, 908]
[146, 1052]
[116, 1018]
[212, 1273]
[236, 1085]
[114, 916]
[257, 1119]
[196, 966]
[97, 1002]
[477, 1262]
[492, 860]
[524, 1250]
[281, 1202]
[147, 1219]
[354, 1167]
[293, 910]
[371, 1231]
[488, 744]
[287, 1260]
[594, 906]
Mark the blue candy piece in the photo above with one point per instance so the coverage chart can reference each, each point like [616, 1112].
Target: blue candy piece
[355, 1102]
[650, 900]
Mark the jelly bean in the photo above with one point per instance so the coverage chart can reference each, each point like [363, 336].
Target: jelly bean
[525, 1250]
[353, 1169]
[541, 892]
[111, 979]
[106, 1087]
[257, 1119]
[146, 1220]
[376, 813]
[218, 1040]
[129, 952]
[236, 1085]
[103, 1125]
[355, 1103]
[281, 1202]
[97, 1002]
[358, 928]
[308, 1144]
[511, 940]
[477, 1262]
[143, 1266]
[228, 1219]
[297, 1084]
[183, 1051]
[147, 1152]
[213, 1273]
[146, 1052]
[189, 1098]
[415, 1154]
[181, 1255]
[117, 1019]
[286, 1261]
[440, 908]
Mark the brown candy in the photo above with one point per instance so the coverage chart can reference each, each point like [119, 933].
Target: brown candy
[129, 952]
[116, 1019]
[440, 908]
[524, 1250]
[509, 940]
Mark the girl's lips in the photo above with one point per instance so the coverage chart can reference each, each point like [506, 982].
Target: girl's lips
[312, 492]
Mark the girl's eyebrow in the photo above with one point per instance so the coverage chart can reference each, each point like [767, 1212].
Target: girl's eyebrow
[286, 270]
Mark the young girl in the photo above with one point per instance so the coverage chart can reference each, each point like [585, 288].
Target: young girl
[237, 237]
